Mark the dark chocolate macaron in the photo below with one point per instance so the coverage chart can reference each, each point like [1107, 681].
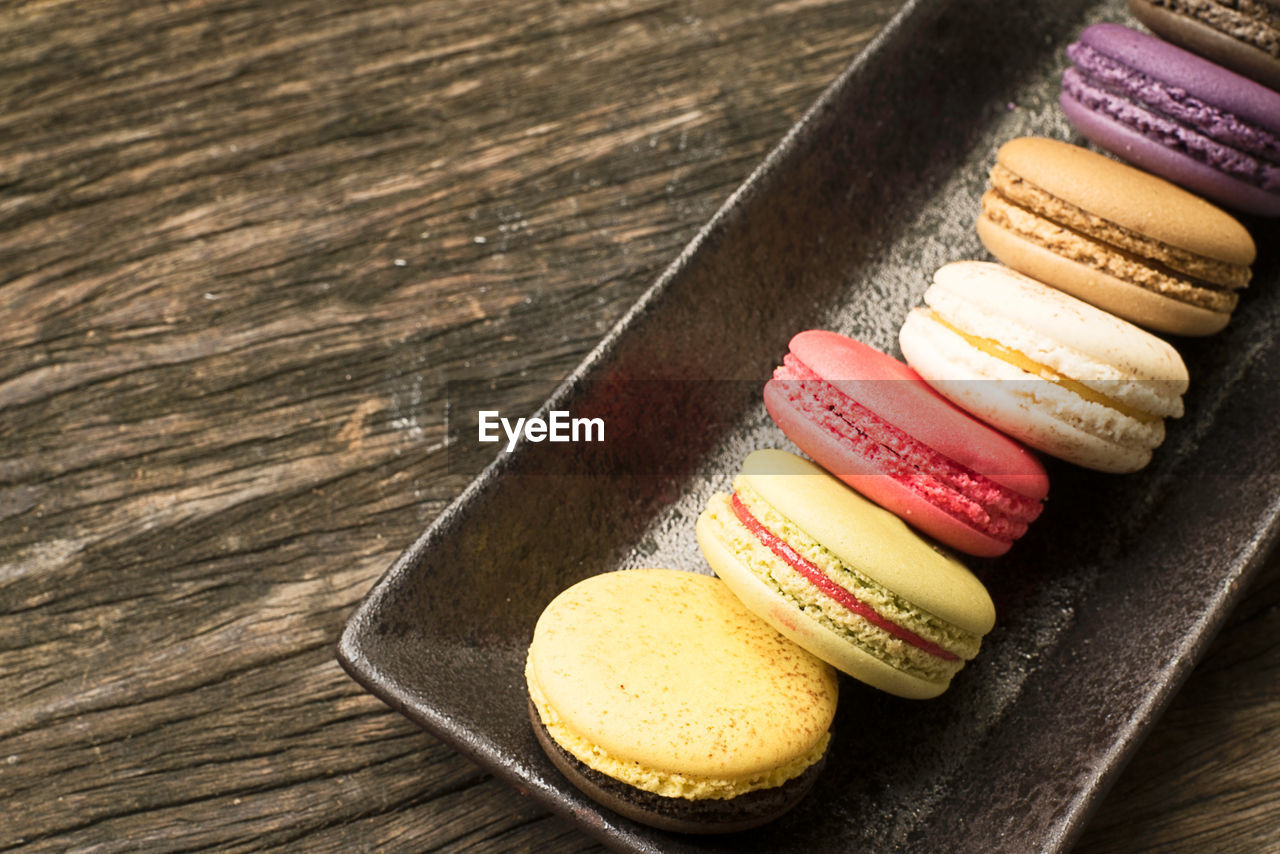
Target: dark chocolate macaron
[1177, 115]
[1243, 35]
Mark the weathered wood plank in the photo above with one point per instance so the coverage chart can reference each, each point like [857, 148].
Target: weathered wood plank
[241, 250]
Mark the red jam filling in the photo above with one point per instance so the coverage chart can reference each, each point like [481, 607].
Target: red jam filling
[819, 579]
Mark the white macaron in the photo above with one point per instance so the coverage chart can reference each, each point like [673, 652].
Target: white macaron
[1044, 367]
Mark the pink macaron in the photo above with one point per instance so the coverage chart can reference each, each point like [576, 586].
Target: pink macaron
[872, 422]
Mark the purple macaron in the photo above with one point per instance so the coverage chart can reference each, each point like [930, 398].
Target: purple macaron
[1176, 115]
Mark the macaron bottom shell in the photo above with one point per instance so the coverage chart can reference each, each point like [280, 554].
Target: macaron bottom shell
[680, 815]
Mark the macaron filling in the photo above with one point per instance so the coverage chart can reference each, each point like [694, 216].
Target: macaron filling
[919, 643]
[972, 498]
[818, 579]
[1173, 117]
[987, 301]
[665, 783]
[1019, 360]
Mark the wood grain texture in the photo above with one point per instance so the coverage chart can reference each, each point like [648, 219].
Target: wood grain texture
[242, 248]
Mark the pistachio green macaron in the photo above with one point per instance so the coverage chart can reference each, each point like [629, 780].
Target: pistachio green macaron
[843, 578]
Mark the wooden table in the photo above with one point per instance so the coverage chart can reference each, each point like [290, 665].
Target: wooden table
[243, 246]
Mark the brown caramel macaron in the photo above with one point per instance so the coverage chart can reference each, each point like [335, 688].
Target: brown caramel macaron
[660, 696]
[1114, 236]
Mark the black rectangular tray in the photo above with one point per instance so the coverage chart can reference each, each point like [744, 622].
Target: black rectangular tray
[1103, 608]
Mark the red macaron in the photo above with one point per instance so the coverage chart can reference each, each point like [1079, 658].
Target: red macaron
[872, 422]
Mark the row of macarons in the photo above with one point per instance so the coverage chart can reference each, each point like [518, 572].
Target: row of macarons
[701, 704]
[1044, 350]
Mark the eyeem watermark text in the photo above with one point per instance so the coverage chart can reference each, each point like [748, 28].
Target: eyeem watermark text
[559, 427]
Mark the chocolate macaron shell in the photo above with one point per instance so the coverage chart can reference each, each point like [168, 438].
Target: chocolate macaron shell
[1129, 197]
[678, 815]
[1213, 43]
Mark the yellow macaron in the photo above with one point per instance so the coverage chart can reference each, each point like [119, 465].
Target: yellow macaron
[662, 697]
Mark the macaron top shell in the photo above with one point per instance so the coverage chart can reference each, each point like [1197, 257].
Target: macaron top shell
[898, 395]
[692, 682]
[874, 541]
[1128, 197]
[1201, 79]
[1072, 337]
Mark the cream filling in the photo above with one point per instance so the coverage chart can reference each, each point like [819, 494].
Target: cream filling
[669, 784]
[981, 380]
[1155, 395]
[997, 350]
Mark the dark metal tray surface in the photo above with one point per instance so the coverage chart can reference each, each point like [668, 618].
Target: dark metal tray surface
[1103, 608]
